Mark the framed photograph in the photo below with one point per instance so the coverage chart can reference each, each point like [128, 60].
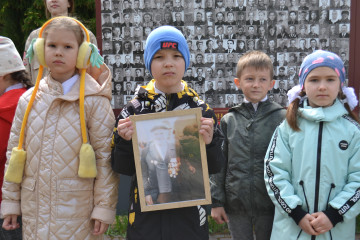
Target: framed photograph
[170, 160]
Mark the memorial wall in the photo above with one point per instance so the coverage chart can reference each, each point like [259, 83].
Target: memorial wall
[219, 32]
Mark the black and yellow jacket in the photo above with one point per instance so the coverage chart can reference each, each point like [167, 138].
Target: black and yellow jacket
[173, 224]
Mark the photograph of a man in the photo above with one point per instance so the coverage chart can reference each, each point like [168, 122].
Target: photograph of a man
[155, 158]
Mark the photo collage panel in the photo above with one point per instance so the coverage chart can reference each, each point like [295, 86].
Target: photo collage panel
[218, 33]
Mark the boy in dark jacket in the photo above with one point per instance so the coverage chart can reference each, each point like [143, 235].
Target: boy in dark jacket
[167, 57]
[238, 191]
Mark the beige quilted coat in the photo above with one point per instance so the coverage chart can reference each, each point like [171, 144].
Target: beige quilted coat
[54, 202]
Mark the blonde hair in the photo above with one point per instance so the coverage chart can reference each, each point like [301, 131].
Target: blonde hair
[67, 24]
[256, 59]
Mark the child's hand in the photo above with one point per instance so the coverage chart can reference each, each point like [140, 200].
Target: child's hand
[10, 222]
[219, 215]
[125, 128]
[99, 227]
[321, 223]
[207, 129]
[305, 225]
[148, 200]
[192, 169]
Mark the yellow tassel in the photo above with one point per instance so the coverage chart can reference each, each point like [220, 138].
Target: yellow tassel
[14, 172]
[87, 165]
[131, 217]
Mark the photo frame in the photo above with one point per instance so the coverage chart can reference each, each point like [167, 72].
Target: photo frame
[170, 160]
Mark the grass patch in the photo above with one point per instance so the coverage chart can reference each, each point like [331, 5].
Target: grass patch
[118, 228]
[215, 228]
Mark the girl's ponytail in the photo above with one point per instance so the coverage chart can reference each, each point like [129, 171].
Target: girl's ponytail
[342, 96]
[22, 77]
[292, 110]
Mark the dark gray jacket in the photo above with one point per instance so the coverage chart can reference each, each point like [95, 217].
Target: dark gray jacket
[240, 186]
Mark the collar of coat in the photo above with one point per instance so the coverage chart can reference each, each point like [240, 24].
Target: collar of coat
[148, 91]
[320, 114]
[99, 87]
[264, 108]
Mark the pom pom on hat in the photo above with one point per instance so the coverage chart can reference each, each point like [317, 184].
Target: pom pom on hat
[163, 38]
[321, 58]
[10, 60]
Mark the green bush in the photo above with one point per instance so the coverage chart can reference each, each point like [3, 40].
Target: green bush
[118, 228]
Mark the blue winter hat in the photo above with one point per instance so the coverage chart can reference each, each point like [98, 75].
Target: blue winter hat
[321, 58]
[165, 37]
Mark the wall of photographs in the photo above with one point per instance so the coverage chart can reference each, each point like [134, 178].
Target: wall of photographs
[218, 33]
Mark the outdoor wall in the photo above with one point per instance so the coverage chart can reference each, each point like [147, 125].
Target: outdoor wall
[219, 32]
[287, 34]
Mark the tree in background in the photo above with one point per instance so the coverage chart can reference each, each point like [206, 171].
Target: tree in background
[19, 17]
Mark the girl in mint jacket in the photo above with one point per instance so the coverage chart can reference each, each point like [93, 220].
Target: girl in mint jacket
[312, 165]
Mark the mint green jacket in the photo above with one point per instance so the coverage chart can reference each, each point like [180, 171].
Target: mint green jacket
[313, 170]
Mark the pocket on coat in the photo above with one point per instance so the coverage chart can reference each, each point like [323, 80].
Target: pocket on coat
[74, 198]
[28, 197]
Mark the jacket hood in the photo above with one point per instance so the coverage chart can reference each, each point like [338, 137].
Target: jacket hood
[8, 102]
[322, 114]
[99, 87]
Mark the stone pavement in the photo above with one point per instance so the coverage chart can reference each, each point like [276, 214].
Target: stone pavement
[227, 237]
[220, 237]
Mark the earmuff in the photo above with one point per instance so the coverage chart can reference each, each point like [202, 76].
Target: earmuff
[83, 58]
[88, 53]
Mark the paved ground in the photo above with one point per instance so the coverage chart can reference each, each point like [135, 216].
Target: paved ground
[227, 237]
[212, 237]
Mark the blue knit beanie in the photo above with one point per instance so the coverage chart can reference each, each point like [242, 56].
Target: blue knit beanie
[165, 37]
[321, 58]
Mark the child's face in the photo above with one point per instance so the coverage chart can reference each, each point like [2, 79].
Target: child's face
[61, 7]
[61, 50]
[168, 67]
[255, 83]
[322, 86]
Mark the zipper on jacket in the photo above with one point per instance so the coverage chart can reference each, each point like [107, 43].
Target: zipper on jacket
[317, 179]
[306, 201]
[298, 236]
[249, 124]
[168, 97]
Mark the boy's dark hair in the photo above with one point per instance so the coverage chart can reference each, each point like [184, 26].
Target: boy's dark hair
[256, 59]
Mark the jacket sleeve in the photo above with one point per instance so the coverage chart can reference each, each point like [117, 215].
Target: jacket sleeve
[218, 180]
[100, 123]
[278, 165]
[11, 191]
[214, 155]
[122, 154]
[29, 66]
[346, 202]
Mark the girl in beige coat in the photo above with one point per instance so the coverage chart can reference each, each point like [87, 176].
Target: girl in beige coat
[67, 189]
